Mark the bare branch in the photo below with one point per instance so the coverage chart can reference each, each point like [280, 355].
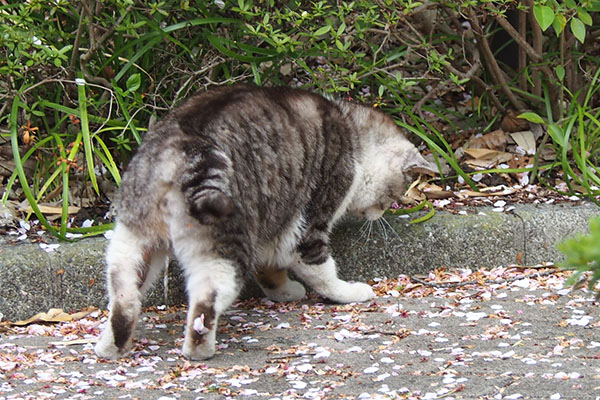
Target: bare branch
[75, 54]
[490, 60]
[537, 39]
[96, 42]
[521, 41]
[522, 54]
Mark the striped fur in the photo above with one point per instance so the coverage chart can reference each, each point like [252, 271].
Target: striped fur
[240, 181]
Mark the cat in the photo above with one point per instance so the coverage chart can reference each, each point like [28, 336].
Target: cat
[245, 181]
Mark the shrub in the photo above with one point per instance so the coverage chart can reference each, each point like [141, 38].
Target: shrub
[583, 255]
[82, 79]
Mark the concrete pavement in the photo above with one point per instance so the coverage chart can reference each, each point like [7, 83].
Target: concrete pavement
[514, 332]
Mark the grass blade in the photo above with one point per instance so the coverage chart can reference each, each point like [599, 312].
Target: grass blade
[434, 146]
[23, 160]
[108, 161]
[85, 131]
[14, 140]
[130, 122]
[427, 216]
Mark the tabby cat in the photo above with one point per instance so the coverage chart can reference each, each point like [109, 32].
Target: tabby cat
[245, 181]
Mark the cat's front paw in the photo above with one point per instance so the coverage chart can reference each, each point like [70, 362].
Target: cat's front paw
[356, 292]
[291, 291]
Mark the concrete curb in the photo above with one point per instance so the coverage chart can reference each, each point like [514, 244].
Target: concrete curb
[72, 276]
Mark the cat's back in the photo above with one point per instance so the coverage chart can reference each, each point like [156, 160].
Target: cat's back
[274, 149]
[237, 108]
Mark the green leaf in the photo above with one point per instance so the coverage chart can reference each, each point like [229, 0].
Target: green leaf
[322, 30]
[560, 72]
[557, 134]
[559, 24]
[531, 117]
[544, 15]
[583, 255]
[584, 16]
[134, 82]
[593, 6]
[578, 29]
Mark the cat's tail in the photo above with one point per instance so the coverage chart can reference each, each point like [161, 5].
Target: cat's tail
[205, 185]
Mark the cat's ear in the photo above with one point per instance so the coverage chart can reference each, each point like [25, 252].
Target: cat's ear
[417, 164]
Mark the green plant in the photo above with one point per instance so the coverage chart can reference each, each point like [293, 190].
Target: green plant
[560, 14]
[576, 140]
[582, 254]
[81, 80]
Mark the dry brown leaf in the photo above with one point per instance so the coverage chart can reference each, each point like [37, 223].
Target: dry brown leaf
[579, 188]
[414, 195]
[45, 209]
[472, 102]
[511, 123]
[548, 153]
[486, 158]
[471, 193]
[480, 164]
[498, 188]
[54, 315]
[83, 313]
[521, 162]
[495, 140]
[480, 153]
[433, 191]
[525, 140]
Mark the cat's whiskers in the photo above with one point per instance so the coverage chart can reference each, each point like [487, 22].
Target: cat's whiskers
[363, 233]
[385, 224]
[383, 229]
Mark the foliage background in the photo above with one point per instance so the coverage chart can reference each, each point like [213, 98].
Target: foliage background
[80, 81]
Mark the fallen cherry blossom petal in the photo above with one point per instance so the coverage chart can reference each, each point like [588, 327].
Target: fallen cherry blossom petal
[199, 325]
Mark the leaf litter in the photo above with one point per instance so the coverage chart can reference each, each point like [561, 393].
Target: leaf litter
[511, 146]
[485, 157]
[500, 333]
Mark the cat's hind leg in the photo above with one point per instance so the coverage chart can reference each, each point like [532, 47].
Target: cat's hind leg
[324, 280]
[133, 264]
[277, 286]
[212, 285]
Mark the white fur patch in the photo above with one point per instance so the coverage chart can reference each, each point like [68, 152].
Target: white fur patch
[290, 291]
[281, 252]
[350, 195]
[324, 280]
[205, 277]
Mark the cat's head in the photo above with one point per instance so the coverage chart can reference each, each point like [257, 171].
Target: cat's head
[388, 164]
